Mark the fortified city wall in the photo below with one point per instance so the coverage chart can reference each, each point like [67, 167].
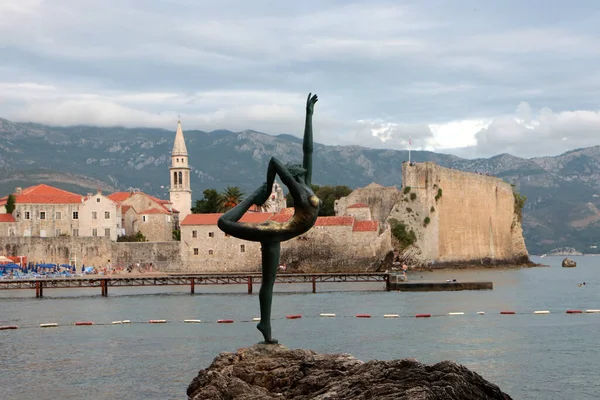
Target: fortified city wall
[93, 251]
[471, 217]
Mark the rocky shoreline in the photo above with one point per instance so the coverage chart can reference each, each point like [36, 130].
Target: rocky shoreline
[276, 372]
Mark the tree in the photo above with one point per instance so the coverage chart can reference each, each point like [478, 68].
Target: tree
[231, 197]
[210, 203]
[10, 203]
[328, 195]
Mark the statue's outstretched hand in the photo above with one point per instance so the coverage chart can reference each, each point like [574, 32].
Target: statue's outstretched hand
[310, 103]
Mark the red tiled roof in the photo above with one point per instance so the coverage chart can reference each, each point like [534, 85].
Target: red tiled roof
[211, 219]
[44, 194]
[125, 208]
[282, 217]
[119, 196]
[7, 218]
[366, 226]
[359, 205]
[334, 221]
[154, 211]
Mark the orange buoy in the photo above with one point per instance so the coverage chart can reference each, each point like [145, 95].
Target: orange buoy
[79, 323]
[423, 315]
[293, 316]
[6, 327]
[507, 312]
[574, 311]
[225, 321]
[363, 315]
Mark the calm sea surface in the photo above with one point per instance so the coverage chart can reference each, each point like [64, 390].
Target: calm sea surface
[529, 356]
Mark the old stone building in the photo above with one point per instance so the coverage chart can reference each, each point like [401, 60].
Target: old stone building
[334, 244]
[205, 247]
[180, 191]
[45, 211]
[153, 217]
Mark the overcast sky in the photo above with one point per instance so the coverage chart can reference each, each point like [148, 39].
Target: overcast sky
[472, 78]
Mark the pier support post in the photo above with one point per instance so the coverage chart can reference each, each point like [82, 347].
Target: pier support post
[388, 282]
[39, 290]
[192, 286]
[314, 284]
[249, 285]
[104, 287]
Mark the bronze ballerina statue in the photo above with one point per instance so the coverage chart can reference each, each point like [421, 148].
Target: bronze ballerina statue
[270, 234]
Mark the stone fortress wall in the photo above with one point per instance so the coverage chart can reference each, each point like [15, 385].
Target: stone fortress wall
[472, 218]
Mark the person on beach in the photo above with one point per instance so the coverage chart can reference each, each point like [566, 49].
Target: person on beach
[270, 234]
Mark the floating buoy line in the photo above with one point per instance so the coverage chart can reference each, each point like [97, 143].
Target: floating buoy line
[294, 316]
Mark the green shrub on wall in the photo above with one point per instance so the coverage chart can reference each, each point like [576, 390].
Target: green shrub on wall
[439, 194]
[413, 196]
[406, 190]
[401, 232]
[426, 221]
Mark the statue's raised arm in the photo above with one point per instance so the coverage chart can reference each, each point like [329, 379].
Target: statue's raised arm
[307, 146]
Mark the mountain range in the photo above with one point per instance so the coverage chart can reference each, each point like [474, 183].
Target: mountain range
[563, 192]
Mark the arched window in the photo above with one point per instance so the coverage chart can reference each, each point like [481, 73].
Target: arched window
[180, 178]
[174, 178]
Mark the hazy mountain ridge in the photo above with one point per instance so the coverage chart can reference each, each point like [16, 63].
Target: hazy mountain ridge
[562, 191]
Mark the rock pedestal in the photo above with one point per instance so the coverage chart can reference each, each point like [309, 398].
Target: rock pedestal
[568, 263]
[275, 372]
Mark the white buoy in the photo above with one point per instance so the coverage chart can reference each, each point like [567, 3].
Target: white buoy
[592, 311]
[126, 321]
[256, 319]
[480, 313]
[49, 325]
[390, 316]
[327, 315]
[542, 312]
[456, 313]
[192, 321]
[117, 322]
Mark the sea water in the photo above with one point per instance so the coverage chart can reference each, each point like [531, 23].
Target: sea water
[553, 356]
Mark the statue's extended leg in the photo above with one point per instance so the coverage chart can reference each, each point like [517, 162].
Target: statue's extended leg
[270, 261]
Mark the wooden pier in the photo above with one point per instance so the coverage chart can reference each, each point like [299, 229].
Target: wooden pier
[191, 280]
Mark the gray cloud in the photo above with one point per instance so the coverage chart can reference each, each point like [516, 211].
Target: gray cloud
[450, 76]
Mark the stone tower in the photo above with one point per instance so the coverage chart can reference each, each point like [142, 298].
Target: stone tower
[180, 190]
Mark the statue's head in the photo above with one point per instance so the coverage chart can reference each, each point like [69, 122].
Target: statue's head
[297, 171]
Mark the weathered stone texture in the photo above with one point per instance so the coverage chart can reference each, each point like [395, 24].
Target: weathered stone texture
[93, 251]
[381, 200]
[473, 221]
[275, 372]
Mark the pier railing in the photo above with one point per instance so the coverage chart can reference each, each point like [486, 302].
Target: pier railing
[191, 280]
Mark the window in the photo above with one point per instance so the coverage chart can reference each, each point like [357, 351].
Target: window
[210, 252]
[42, 214]
[94, 232]
[242, 248]
[211, 234]
[75, 215]
[27, 215]
[106, 231]
[144, 218]
[97, 199]
[58, 215]
[194, 234]
[195, 251]
[168, 218]
[57, 232]
[94, 215]
[11, 232]
[106, 214]
[75, 232]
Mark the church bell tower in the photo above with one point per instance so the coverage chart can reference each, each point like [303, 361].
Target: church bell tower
[180, 191]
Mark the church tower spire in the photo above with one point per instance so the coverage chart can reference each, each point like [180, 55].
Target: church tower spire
[180, 191]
